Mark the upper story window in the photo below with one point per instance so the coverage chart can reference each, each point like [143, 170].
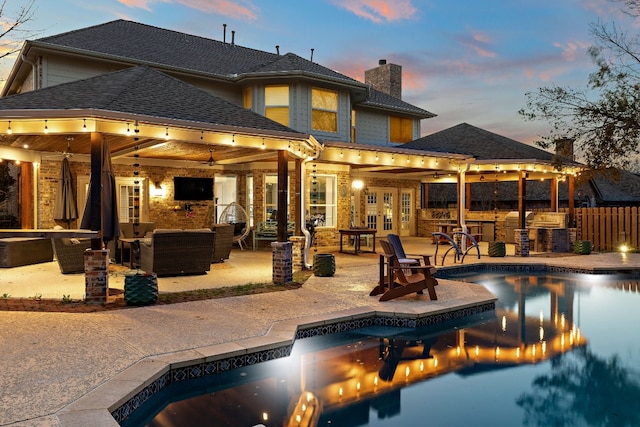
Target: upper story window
[246, 98]
[400, 129]
[324, 110]
[276, 104]
[353, 126]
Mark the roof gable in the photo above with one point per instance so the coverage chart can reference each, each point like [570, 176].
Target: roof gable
[479, 143]
[378, 99]
[140, 44]
[144, 91]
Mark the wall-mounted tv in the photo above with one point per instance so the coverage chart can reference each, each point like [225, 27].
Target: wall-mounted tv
[190, 188]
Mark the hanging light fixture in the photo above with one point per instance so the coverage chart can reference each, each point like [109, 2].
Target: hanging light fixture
[9, 131]
[263, 147]
[46, 128]
[84, 125]
[211, 162]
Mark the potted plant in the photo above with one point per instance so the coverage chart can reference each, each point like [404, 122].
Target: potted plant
[497, 249]
[582, 247]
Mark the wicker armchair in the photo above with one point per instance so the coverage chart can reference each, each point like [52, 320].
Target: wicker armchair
[223, 242]
[70, 254]
[177, 252]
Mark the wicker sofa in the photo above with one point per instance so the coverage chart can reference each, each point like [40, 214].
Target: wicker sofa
[70, 254]
[173, 252]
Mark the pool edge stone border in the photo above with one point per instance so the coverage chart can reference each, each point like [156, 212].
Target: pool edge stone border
[182, 370]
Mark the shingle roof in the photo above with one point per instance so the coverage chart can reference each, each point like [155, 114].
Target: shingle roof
[479, 143]
[141, 44]
[143, 91]
[379, 99]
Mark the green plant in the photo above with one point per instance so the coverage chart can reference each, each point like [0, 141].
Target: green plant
[497, 249]
[582, 247]
[66, 299]
[5, 296]
[37, 297]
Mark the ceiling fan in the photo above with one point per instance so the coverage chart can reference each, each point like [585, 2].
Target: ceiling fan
[67, 153]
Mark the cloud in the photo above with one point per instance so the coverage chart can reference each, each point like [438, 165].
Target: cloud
[379, 10]
[571, 51]
[245, 10]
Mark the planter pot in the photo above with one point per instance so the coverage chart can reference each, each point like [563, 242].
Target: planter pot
[582, 247]
[497, 249]
[324, 265]
[140, 287]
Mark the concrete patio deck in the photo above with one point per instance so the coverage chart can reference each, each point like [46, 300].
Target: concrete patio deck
[62, 369]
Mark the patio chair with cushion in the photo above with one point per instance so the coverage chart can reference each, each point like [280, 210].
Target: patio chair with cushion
[172, 252]
[70, 254]
[223, 241]
[404, 258]
[402, 279]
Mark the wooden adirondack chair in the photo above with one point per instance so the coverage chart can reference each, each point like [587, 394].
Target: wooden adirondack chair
[397, 282]
[420, 278]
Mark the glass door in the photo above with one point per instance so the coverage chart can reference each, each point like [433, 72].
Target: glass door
[381, 210]
[406, 212]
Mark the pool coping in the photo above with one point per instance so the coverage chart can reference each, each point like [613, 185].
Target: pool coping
[117, 398]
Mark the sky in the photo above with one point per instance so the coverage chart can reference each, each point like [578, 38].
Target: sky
[467, 61]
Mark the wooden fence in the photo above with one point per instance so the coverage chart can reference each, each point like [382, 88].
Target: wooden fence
[609, 228]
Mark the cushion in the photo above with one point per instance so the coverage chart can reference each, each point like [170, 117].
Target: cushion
[238, 227]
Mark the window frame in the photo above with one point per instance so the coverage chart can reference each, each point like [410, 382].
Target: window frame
[276, 106]
[330, 219]
[405, 124]
[319, 109]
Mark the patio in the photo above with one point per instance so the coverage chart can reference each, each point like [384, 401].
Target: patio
[71, 369]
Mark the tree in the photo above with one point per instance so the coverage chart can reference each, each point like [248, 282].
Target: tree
[12, 25]
[604, 118]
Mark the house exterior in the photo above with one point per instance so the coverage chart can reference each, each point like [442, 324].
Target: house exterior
[172, 104]
[294, 92]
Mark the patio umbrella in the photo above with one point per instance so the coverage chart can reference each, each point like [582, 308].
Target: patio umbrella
[110, 227]
[65, 208]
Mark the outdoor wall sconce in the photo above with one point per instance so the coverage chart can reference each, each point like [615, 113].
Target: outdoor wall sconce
[357, 184]
[158, 191]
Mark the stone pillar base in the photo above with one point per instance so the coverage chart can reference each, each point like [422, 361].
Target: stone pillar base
[96, 275]
[522, 242]
[298, 252]
[282, 262]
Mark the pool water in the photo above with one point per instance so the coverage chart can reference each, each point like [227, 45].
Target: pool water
[559, 350]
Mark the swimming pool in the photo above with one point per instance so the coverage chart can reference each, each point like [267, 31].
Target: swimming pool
[558, 350]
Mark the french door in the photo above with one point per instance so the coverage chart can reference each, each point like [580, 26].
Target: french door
[381, 214]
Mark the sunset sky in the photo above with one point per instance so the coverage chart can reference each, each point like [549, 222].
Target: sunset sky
[466, 60]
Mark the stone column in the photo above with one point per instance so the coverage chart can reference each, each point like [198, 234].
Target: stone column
[522, 242]
[282, 263]
[96, 275]
[298, 252]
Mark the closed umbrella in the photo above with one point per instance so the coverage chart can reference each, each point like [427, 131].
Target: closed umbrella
[65, 208]
[110, 227]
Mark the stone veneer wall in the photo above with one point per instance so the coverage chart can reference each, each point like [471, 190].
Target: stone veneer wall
[167, 213]
[164, 211]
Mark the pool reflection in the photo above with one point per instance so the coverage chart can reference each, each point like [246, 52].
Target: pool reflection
[343, 379]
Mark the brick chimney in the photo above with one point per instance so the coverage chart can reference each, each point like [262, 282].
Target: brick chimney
[386, 78]
[564, 148]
